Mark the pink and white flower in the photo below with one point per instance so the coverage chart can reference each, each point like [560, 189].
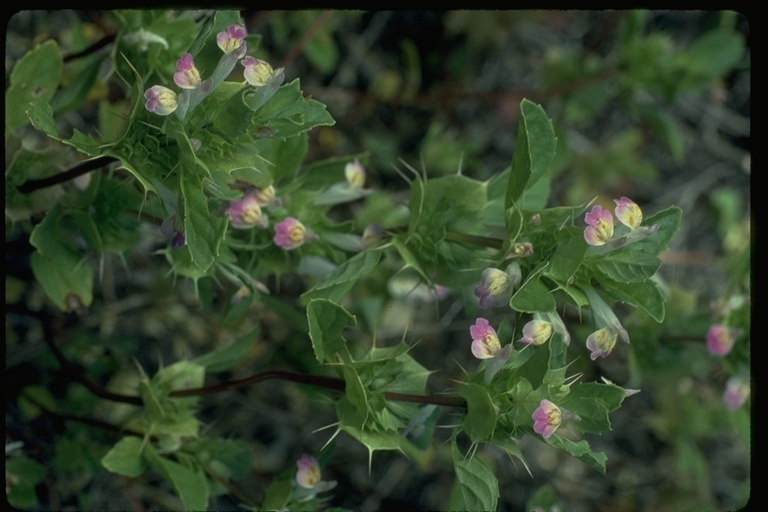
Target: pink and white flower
[161, 100]
[485, 341]
[291, 233]
[187, 75]
[600, 226]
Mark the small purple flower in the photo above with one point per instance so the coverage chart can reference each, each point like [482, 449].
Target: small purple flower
[496, 286]
[355, 174]
[546, 418]
[308, 474]
[601, 342]
[372, 234]
[485, 341]
[232, 41]
[161, 100]
[290, 234]
[720, 339]
[246, 212]
[187, 76]
[600, 226]
[628, 212]
[257, 72]
[520, 250]
[169, 228]
[737, 390]
[536, 332]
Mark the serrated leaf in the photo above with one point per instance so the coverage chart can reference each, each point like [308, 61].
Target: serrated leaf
[478, 485]
[288, 113]
[125, 457]
[190, 485]
[202, 230]
[41, 116]
[348, 272]
[327, 320]
[534, 150]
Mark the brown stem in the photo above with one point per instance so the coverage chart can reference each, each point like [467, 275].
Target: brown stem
[74, 172]
[331, 383]
[309, 34]
[101, 43]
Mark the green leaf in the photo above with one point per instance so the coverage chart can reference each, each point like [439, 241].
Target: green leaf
[190, 485]
[480, 420]
[479, 486]
[533, 296]
[534, 150]
[66, 279]
[644, 295]
[72, 95]
[125, 457]
[22, 474]
[288, 113]
[669, 223]
[568, 255]
[173, 416]
[33, 79]
[227, 357]
[203, 231]
[348, 272]
[41, 116]
[228, 458]
[327, 320]
[352, 409]
[581, 451]
[626, 265]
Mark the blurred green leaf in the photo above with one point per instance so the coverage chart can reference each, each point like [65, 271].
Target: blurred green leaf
[227, 357]
[33, 79]
[126, 458]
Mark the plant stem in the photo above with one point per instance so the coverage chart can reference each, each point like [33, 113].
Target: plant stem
[331, 383]
[78, 170]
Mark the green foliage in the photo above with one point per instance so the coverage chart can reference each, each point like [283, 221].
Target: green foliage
[288, 253]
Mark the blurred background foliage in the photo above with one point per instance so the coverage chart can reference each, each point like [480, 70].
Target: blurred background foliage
[654, 105]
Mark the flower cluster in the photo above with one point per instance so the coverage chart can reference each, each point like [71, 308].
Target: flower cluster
[164, 101]
[600, 225]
